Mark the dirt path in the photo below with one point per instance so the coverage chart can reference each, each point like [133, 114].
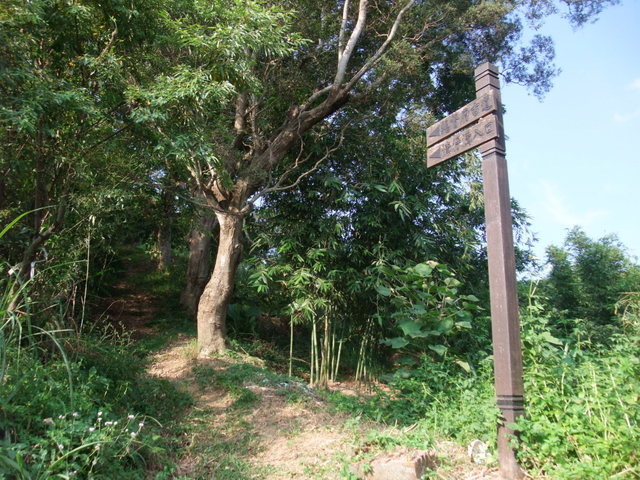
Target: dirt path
[248, 423]
[130, 308]
[286, 431]
[293, 436]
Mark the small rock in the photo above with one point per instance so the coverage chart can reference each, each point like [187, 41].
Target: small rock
[478, 452]
[398, 465]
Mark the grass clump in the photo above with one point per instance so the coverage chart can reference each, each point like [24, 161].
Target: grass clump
[87, 411]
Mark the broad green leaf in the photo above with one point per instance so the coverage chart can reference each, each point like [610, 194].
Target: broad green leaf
[439, 349]
[445, 325]
[551, 339]
[423, 269]
[451, 282]
[412, 329]
[465, 366]
[397, 342]
[382, 290]
[418, 310]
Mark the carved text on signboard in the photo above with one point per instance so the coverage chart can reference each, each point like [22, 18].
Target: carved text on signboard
[462, 117]
[486, 129]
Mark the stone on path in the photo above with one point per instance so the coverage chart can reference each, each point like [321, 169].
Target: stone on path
[397, 465]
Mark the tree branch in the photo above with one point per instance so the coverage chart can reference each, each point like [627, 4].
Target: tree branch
[278, 187]
[345, 55]
[239, 123]
[375, 58]
[109, 43]
[343, 28]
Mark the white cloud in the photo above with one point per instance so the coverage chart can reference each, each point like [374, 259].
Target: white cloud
[629, 116]
[559, 211]
[626, 117]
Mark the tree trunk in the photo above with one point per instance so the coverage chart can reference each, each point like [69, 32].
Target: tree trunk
[199, 263]
[165, 227]
[212, 309]
[164, 245]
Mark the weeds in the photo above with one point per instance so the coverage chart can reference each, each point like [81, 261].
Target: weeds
[74, 405]
[583, 419]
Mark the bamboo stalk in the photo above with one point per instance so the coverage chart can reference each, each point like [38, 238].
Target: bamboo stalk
[291, 347]
[311, 365]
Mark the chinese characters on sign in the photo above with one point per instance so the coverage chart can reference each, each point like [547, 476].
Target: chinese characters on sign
[464, 140]
[468, 114]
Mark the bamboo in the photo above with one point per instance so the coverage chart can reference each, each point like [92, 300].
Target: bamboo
[324, 379]
[333, 357]
[315, 362]
[335, 372]
[291, 347]
[311, 369]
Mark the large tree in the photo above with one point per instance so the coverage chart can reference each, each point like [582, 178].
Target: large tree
[253, 85]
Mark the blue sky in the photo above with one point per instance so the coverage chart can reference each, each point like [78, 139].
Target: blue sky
[574, 158]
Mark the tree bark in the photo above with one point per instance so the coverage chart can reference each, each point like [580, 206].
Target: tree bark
[165, 229]
[164, 246]
[212, 308]
[199, 263]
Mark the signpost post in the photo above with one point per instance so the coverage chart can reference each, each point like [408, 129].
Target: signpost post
[479, 124]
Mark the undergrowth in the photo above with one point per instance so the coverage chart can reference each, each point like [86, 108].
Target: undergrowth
[90, 413]
[82, 406]
[582, 403]
[77, 405]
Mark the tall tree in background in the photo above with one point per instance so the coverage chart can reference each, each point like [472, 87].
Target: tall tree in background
[390, 52]
[64, 68]
[589, 276]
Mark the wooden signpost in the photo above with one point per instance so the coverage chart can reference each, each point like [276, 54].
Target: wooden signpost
[479, 124]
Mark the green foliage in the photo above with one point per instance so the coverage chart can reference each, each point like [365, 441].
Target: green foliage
[71, 405]
[94, 428]
[425, 305]
[588, 277]
[582, 416]
[439, 397]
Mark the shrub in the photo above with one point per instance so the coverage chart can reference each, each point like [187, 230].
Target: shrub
[582, 405]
